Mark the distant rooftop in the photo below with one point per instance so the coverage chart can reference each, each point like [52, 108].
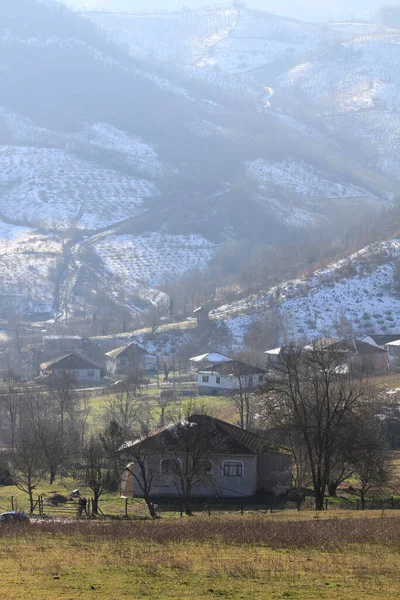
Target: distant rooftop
[63, 337]
[211, 357]
[274, 351]
[235, 368]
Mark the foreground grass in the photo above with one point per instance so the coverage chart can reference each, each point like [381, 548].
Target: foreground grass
[255, 559]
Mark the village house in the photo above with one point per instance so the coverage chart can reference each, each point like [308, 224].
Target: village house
[243, 463]
[272, 357]
[129, 357]
[381, 340]
[63, 344]
[227, 377]
[80, 368]
[359, 354]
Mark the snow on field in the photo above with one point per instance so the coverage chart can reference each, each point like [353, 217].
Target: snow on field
[43, 186]
[299, 179]
[137, 264]
[356, 75]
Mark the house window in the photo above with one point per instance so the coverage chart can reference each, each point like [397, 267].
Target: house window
[218, 380]
[205, 379]
[169, 466]
[232, 468]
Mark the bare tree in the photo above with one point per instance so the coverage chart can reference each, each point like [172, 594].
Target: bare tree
[26, 463]
[243, 396]
[141, 468]
[61, 389]
[54, 443]
[10, 402]
[112, 439]
[95, 472]
[125, 410]
[164, 402]
[191, 447]
[310, 395]
[371, 461]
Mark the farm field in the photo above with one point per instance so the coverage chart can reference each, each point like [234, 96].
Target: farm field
[233, 558]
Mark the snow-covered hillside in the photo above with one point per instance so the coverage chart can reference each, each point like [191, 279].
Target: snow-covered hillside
[27, 264]
[231, 39]
[138, 144]
[357, 75]
[356, 86]
[43, 186]
[357, 295]
[136, 265]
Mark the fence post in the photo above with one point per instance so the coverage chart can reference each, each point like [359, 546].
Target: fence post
[12, 503]
[126, 507]
[241, 510]
[209, 511]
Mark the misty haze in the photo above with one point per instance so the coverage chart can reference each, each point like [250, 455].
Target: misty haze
[199, 298]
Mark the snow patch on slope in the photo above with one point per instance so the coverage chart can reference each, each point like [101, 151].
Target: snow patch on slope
[301, 180]
[41, 186]
[137, 264]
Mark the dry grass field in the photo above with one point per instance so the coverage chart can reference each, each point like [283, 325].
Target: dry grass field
[236, 558]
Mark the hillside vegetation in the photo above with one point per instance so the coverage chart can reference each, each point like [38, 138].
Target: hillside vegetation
[141, 148]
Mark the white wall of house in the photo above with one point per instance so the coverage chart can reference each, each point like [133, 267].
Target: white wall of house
[213, 383]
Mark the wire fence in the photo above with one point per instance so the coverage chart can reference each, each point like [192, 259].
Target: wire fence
[135, 508]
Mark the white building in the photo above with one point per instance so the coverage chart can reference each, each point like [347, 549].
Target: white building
[228, 377]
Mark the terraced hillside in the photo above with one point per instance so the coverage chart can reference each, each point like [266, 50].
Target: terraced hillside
[139, 145]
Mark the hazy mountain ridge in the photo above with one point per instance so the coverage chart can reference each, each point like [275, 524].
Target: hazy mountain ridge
[86, 151]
